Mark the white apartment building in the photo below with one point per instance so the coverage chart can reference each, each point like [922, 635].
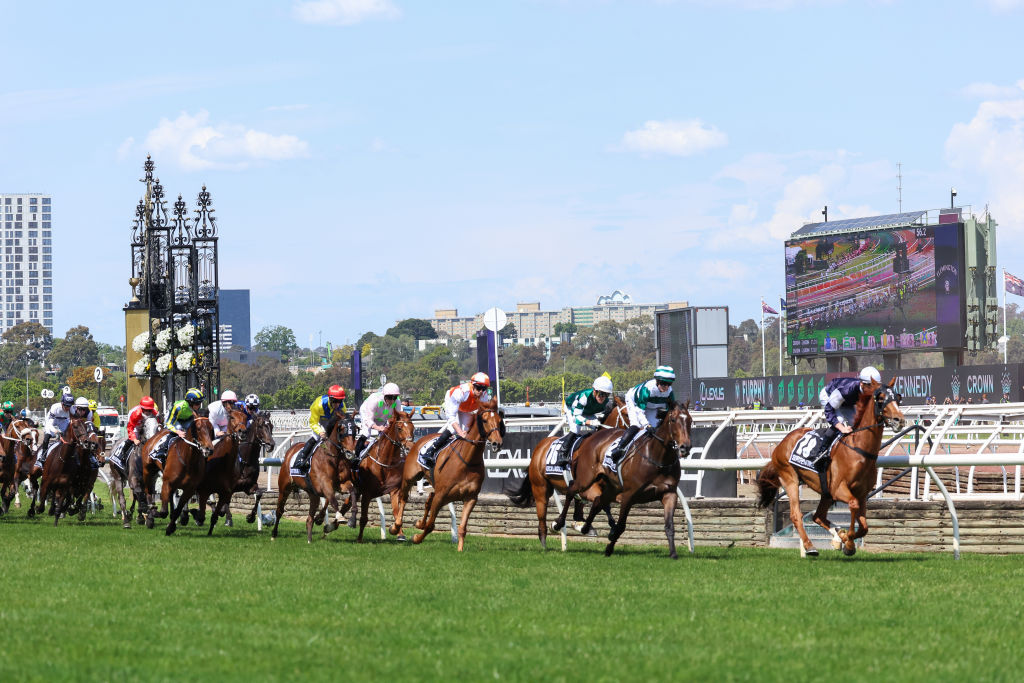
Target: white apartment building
[28, 260]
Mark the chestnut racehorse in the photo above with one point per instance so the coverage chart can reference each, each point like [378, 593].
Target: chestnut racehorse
[648, 471]
[851, 473]
[380, 470]
[219, 474]
[537, 486]
[25, 469]
[458, 472]
[19, 442]
[329, 473]
[183, 469]
[67, 474]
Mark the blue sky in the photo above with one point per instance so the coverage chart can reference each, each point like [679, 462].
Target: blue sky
[372, 160]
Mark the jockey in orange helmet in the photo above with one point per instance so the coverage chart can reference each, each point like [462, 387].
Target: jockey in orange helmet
[461, 404]
[320, 413]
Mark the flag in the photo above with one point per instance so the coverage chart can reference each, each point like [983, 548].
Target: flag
[782, 305]
[765, 308]
[1014, 285]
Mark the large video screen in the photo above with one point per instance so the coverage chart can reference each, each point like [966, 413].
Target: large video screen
[881, 290]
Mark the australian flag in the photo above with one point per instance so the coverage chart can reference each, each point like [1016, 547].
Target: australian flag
[765, 308]
[1014, 285]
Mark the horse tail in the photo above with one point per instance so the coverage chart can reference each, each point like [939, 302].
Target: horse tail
[522, 496]
[768, 483]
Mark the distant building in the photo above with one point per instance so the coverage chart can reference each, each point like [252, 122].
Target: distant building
[234, 319]
[532, 324]
[249, 357]
[28, 260]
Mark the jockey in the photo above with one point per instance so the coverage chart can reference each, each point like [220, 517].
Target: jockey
[320, 413]
[138, 414]
[183, 412]
[839, 399]
[57, 420]
[375, 412]
[252, 405]
[93, 405]
[219, 412]
[7, 416]
[585, 410]
[81, 409]
[460, 405]
[643, 403]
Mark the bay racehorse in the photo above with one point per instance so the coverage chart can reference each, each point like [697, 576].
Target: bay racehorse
[851, 474]
[259, 437]
[123, 473]
[380, 470]
[329, 473]
[68, 476]
[458, 472]
[538, 486]
[220, 469]
[648, 471]
[183, 469]
[18, 449]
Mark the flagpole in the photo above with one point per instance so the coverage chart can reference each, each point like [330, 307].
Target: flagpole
[1007, 343]
[782, 312]
[762, 337]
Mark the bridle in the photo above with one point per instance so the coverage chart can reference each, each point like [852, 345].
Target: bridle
[256, 427]
[670, 445]
[348, 425]
[882, 397]
[400, 447]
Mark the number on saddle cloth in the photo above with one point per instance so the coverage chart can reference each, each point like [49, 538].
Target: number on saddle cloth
[555, 458]
[805, 453]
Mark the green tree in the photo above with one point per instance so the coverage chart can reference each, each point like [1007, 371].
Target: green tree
[275, 338]
[417, 328]
[77, 348]
[566, 328]
[509, 331]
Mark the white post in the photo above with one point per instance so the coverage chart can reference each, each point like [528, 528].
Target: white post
[497, 372]
[762, 338]
[782, 312]
[1007, 342]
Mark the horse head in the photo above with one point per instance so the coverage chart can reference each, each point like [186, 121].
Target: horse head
[201, 432]
[674, 428]
[617, 416]
[262, 430]
[491, 422]
[341, 431]
[81, 435]
[887, 405]
[402, 431]
[150, 426]
[24, 431]
[237, 422]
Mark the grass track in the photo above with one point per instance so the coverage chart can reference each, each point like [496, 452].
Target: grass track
[96, 602]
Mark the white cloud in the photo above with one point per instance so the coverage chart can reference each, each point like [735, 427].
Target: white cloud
[344, 12]
[991, 145]
[194, 144]
[722, 272]
[678, 138]
[991, 91]
[1005, 5]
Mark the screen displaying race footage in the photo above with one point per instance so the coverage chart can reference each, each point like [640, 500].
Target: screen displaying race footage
[875, 291]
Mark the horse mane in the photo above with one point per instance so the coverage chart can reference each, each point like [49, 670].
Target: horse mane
[862, 404]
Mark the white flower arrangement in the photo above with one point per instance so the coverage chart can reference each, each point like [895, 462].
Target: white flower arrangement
[164, 363]
[183, 361]
[186, 334]
[140, 342]
[163, 340]
[141, 366]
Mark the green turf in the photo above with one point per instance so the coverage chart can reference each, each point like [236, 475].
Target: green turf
[91, 601]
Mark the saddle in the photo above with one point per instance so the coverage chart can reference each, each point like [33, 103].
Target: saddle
[159, 451]
[610, 464]
[804, 455]
[554, 457]
[119, 456]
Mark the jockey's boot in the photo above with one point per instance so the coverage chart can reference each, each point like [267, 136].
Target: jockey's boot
[565, 449]
[360, 444]
[428, 456]
[301, 461]
[821, 464]
[41, 453]
[627, 438]
[93, 461]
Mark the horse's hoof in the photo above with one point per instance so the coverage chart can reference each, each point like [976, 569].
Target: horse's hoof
[813, 552]
[849, 550]
[400, 537]
[169, 530]
[393, 530]
[673, 556]
[609, 550]
[418, 524]
[126, 525]
[249, 519]
[149, 523]
[556, 527]
[418, 538]
[329, 527]
[351, 523]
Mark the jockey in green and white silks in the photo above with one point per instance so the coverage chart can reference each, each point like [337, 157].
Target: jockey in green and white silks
[643, 403]
[584, 411]
[375, 413]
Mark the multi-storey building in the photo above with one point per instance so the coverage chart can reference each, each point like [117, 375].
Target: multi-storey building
[28, 260]
[234, 319]
[532, 324]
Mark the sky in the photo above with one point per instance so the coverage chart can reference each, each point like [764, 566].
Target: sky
[373, 160]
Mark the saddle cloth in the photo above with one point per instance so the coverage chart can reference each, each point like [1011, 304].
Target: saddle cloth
[551, 465]
[117, 455]
[608, 462]
[426, 444]
[295, 471]
[803, 455]
[159, 450]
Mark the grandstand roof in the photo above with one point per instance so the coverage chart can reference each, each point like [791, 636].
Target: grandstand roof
[889, 220]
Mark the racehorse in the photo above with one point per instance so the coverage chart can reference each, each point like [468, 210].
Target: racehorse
[26, 471]
[183, 469]
[380, 470]
[67, 474]
[329, 473]
[19, 443]
[458, 472]
[221, 469]
[258, 437]
[648, 471]
[121, 472]
[537, 486]
[851, 474]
